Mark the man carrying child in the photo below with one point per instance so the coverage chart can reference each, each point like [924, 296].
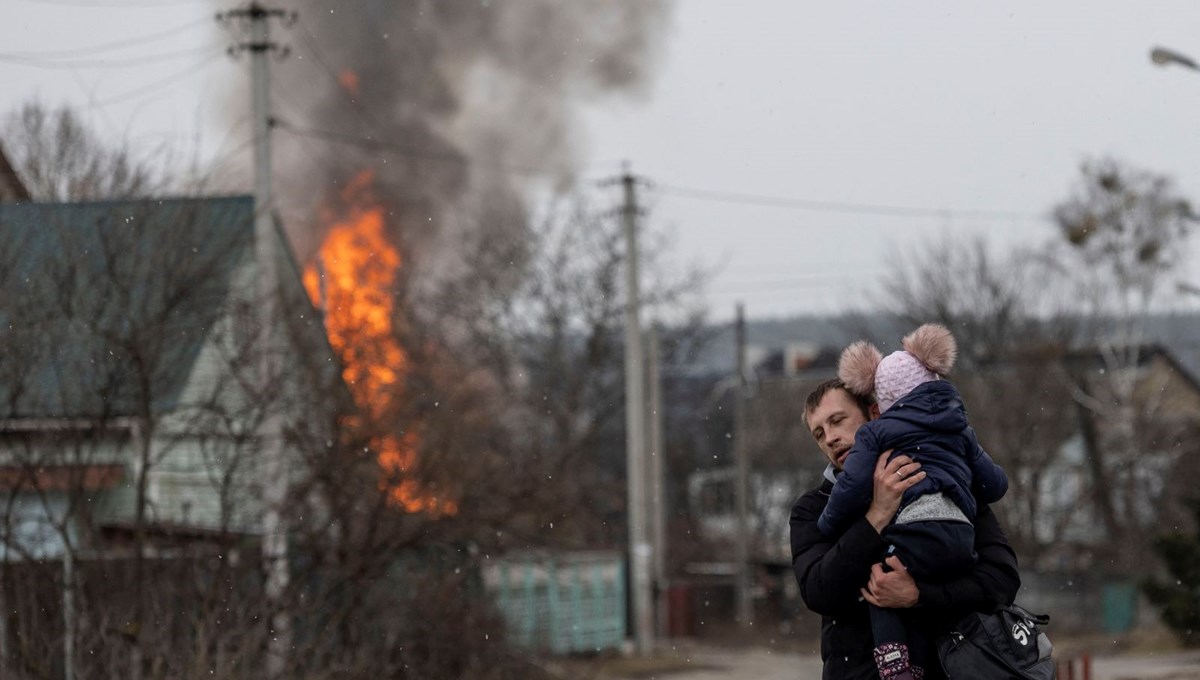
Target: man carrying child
[842, 576]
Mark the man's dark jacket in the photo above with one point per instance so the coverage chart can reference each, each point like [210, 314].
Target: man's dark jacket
[831, 572]
[929, 425]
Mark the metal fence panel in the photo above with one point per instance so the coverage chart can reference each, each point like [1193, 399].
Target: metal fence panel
[561, 602]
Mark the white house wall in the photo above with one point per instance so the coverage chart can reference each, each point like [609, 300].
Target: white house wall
[34, 530]
[207, 475]
[199, 460]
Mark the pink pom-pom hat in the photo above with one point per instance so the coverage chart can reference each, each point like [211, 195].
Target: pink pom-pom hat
[929, 352]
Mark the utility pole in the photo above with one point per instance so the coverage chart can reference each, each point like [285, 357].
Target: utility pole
[68, 596]
[635, 428]
[657, 464]
[267, 241]
[745, 605]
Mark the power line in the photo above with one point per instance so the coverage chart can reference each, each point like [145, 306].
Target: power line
[104, 47]
[788, 284]
[843, 207]
[160, 83]
[217, 163]
[304, 141]
[369, 144]
[322, 163]
[311, 39]
[117, 4]
[806, 276]
[317, 160]
[738, 269]
[110, 63]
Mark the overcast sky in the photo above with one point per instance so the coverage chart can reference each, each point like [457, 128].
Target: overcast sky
[947, 106]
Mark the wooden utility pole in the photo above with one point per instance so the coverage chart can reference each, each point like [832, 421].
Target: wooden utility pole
[745, 603]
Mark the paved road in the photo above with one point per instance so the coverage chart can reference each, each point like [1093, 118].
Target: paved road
[755, 664]
[1173, 666]
[764, 664]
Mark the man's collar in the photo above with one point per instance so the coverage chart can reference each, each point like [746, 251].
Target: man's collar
[830, 474]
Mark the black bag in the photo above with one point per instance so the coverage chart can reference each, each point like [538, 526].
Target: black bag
[1007, 644]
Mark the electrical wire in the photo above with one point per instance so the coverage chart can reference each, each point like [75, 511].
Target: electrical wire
[158, 84]
[104, 47]
[369, 144]
[844, 207]
[373, 123]
[221, 159]
[117, 4]
[314, 156]
[686, 192]
[315, 49]
[110, 63]
[785, 284]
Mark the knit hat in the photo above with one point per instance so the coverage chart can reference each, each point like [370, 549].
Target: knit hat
[928, 353]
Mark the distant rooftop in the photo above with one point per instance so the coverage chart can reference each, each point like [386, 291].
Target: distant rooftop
[92, 287]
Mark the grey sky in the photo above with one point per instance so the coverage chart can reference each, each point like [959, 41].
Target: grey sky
[945, 105]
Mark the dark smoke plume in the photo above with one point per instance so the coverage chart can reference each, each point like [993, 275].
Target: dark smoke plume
[457, 97]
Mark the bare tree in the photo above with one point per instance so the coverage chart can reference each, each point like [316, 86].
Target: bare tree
[1123, 230]
[1054, 346]
[1011, 336]
[60, 158]
[537, 322]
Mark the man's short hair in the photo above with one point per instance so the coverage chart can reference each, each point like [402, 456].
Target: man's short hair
[825, 387]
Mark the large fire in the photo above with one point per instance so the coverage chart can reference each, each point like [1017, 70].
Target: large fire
[353, 278]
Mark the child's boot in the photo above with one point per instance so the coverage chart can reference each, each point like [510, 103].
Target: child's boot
[891, 658]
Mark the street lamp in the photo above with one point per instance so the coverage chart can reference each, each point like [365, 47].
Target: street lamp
[1162, 56]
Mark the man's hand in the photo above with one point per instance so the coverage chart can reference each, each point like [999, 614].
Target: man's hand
[892, 478]
[891, 589]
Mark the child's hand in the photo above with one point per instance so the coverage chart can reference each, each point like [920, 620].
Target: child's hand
[892, 478]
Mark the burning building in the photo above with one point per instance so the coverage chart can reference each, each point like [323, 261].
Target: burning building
[410, 139]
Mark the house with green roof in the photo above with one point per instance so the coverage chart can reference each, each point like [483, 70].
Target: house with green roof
[136, 372]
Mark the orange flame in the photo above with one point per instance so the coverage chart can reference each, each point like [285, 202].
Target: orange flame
[353, 277]
[349, 81]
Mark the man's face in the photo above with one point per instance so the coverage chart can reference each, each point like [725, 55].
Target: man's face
[833, 424]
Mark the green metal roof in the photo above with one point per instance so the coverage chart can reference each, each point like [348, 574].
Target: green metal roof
[104, 306]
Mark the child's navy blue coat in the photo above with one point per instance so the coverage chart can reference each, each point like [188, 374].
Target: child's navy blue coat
[930, 426]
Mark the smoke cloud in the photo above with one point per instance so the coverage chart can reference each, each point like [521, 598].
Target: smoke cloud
[454, 104]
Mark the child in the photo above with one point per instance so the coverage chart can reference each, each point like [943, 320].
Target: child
[922, 417]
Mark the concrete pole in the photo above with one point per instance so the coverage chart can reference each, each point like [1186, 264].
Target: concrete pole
[68, 596]
[745, 603]
[657, 466]
[267, 240]
[635, 426]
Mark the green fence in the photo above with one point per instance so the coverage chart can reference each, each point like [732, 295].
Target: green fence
[561, 602]
[1120, 606]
